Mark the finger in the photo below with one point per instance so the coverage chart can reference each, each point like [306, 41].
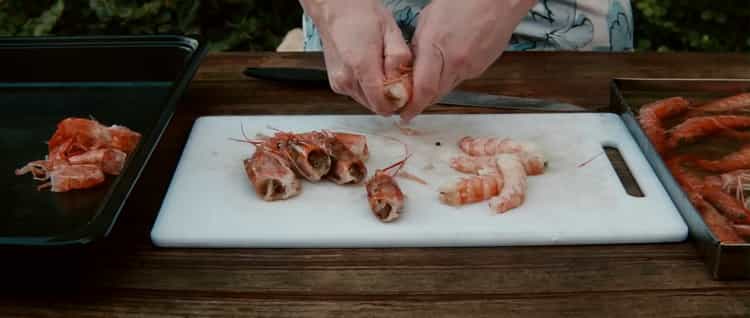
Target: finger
[397, 53]
[428, 68]
[371, 80]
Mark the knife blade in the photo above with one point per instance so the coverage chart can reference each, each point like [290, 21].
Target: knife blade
[455, 97]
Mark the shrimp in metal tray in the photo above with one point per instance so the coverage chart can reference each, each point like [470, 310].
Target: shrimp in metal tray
[733, 161]
[384, 195]
[697, 127]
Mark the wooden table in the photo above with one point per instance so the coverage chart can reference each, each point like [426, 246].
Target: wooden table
[125, 275]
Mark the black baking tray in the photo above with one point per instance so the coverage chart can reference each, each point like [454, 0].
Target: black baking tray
[133, 81]
[724, 261]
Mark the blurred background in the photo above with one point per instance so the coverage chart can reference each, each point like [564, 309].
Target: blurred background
[249, 25]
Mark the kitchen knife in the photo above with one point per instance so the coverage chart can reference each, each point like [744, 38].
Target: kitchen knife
[455, 97]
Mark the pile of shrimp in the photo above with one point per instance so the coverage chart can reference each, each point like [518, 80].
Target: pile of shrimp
[282, 160]
[714, 180]
[80, 153]
[498, 169]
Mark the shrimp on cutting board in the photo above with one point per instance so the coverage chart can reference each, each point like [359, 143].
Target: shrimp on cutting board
[533, 159]
[513, 193]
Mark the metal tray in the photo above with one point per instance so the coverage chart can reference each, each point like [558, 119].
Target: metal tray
[724, 261]
[133, 81]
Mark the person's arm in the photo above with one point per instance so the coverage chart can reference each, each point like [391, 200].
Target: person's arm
[447, 53]
[362, 47]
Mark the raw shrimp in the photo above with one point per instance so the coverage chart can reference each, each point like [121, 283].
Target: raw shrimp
[513, 192]
[471, 189]
[490, 146]
[466, 164]
[696, 127]
[356, 143]
[726, 204]
[384, 195]
[652, 115]
[726, 104]
[111, 161]
[271, 175]
[123, 138]
[733, 161]
[399, 90]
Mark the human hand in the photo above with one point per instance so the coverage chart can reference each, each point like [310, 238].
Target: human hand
[363, 50]
[446, 54]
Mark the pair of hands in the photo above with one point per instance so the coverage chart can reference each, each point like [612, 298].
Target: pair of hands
[454, 41]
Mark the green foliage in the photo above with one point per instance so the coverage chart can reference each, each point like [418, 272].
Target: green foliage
[692, 25]
[661, 25]
[227, 24]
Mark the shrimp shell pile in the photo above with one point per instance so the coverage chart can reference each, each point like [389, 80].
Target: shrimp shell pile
[714, 183]
[80, 153]
[499, 168]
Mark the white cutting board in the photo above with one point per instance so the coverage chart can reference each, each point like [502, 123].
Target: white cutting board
[210, 202]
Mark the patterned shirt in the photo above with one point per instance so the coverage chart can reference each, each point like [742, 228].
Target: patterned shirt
[551, 25]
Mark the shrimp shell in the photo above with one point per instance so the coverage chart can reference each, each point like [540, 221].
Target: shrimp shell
[271, 175]
[356, 143]
[346, 167]
[73, 177]
[111, 161]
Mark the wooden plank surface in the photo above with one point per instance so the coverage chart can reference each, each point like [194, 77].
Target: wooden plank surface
[124, 275]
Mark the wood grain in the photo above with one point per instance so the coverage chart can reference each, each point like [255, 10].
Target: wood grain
[125, 275]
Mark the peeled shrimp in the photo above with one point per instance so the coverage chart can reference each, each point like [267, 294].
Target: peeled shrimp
[399, 90]
[466, 164]
[513, 193]
[534, 162]
[652, 115]
[471, 189]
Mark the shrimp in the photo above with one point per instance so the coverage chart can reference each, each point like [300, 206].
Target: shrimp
[271, 175]
[347, 168]
[534, 161]
[384, 195]
[532, 165]
[356, 143]
[725, 104]
[651, 116]
[726, 204]
[691, 184]
[513, 193]
[719, 225]
[733, 161]
[472, 189]
[64, 178]
[111, 161]
[697, 127]
[399, 90]
[309, 160]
